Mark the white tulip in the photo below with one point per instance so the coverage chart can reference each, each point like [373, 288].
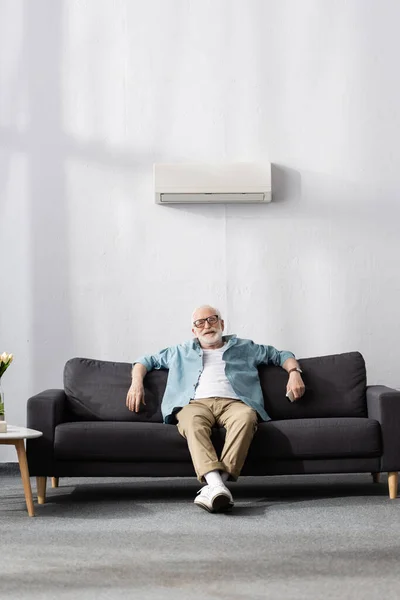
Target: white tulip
[4, 356]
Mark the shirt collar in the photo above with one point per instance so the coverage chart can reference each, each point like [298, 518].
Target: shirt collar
[226, 339]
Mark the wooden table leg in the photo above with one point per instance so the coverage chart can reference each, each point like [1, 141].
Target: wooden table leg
[23, 467]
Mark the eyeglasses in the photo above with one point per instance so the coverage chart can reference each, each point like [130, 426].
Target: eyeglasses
[210, 320]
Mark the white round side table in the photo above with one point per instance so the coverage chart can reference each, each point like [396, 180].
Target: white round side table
[16, 436]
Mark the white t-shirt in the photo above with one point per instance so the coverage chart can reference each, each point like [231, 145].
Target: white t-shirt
[213, 381]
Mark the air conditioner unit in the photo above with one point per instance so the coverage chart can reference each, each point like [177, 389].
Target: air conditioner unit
[238, 183]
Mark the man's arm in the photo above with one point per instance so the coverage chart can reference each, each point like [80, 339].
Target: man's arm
[143, 365]
[271, 356]
[135, 394]
[295, 383]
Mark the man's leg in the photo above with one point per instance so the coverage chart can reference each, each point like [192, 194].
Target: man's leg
[195, 421]
[240, 422]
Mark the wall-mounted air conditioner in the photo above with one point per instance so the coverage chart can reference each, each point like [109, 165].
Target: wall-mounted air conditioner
[239, 183]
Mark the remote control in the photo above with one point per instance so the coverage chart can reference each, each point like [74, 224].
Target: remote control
[290, 396]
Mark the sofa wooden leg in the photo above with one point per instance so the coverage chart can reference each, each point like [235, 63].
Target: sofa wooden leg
[376, 477]
[393, 481]
[41, 489]
[54, 482]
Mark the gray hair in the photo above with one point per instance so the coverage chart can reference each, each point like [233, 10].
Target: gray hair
[217, 312]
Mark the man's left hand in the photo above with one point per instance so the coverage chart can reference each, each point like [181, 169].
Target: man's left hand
[296, 385]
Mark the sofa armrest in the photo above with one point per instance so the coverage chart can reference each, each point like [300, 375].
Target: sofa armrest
[44, 412]
[383, 405]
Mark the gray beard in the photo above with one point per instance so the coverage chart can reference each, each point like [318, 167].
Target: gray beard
[211, 339]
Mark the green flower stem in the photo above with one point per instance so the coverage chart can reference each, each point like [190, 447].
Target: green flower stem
[3, 367]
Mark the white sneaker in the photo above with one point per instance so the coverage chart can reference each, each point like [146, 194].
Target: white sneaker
[214, 498]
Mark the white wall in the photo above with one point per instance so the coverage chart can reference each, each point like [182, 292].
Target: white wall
[92, 93]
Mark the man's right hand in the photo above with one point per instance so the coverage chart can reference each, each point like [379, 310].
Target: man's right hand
[135, 396]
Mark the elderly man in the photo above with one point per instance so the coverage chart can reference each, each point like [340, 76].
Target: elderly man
[213, 380]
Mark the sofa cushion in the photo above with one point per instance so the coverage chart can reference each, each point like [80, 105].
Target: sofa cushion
[317, 438]
[97, 389]
[300, 438]
[335, 387]
[112, 441]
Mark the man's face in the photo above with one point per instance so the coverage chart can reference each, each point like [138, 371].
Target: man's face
[208, 334]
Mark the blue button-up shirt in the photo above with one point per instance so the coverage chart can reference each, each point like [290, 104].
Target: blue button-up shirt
[185, 364]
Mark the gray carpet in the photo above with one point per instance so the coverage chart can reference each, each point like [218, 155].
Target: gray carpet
[287, 538]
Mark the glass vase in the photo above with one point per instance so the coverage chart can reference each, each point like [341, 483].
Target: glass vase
[3, 426]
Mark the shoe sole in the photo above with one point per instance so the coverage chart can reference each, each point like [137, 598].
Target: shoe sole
[221, 503]
[207, 508]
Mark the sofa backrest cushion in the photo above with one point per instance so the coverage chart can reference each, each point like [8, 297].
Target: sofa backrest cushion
[96, 391]
[335, 387]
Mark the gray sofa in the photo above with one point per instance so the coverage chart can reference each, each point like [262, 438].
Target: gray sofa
[341, 425]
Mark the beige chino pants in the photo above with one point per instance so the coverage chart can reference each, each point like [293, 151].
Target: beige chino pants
[195, 421]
